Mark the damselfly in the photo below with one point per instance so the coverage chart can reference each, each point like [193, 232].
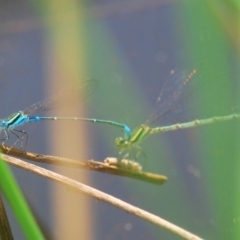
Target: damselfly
[27, 116]
[132, 139]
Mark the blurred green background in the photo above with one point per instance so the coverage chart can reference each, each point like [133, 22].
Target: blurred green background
[130, 48]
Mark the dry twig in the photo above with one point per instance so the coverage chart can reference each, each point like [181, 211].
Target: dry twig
[87, 164]
[78, 187]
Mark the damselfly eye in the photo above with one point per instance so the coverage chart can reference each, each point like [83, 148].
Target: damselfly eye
[119, 141]
[3, 124]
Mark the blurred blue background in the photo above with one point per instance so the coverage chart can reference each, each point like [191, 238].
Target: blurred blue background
[131, 49]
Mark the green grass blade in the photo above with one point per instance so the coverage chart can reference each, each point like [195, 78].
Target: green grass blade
[13, 194]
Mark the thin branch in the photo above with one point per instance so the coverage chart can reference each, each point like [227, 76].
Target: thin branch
[88, 164]
[81, 188]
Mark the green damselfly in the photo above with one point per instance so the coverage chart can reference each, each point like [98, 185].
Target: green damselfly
[132, 139]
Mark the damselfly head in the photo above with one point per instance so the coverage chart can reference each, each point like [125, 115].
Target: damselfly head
[3, 124]
[122, 143]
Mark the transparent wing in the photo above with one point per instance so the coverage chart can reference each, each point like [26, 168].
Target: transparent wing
[65, 97]
[172, 94]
